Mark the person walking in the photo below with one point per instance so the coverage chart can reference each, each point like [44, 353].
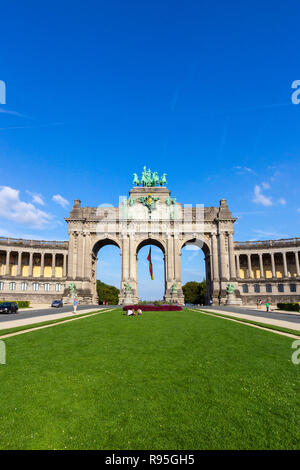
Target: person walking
[267, 306]
[75, 303]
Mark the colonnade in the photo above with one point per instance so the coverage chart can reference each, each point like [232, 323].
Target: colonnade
[268, 264]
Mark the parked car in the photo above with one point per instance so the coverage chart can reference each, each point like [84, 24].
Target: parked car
[57, 303]
[8, 307]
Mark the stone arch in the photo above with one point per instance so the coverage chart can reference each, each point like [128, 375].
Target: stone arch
[201, 243]
[101, 242]
[206, 249]
[158, 243]
[96, 247]
[151, 241]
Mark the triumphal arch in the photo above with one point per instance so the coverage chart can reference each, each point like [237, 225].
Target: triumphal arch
[150, 215]
[42, 270]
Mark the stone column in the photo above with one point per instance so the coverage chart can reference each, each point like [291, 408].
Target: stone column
[250, 275]
[223, 257]
[19, 263]
[285, 270]
[297, 263]
[177, 260]
[238, 268]
[132, 258]
[42, 265]
[64, 264]
[125, 259]
[273, 265]
[170, 259]
[214, 246]
[71, 256]
[53, 264]
[231, 257]
[88, 257]
[31, 264]
[80, 256]
[261, 265]
[7, 273]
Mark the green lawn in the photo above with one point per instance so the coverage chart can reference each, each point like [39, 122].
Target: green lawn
[167, 380]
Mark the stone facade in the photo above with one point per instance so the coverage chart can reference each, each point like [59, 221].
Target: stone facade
[41, 271]
[32, 269]
[268, 270]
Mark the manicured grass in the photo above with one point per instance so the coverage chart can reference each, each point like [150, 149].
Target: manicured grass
[29, 326]
[252, 322]
[167, 380]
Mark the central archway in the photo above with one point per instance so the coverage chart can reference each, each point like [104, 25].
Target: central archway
[151, 289]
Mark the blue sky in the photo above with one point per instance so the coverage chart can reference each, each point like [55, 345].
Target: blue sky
[200, 90]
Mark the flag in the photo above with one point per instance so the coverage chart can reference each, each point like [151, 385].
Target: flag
[150, 264]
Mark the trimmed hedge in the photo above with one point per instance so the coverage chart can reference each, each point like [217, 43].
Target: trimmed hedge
[290, 307]
[154, 308]
[20, 303]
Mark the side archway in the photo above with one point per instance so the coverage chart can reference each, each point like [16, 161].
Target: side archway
[96, 250]
[204, 246]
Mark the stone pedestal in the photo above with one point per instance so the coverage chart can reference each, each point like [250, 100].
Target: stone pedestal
[232, 300]
[128, 300]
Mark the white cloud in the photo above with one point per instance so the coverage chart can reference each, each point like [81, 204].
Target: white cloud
[193, 255]
[260, 198]
[60, 200]
[282, 201]
[265, 185]
[270, 234]
[244, 169]
[36, 198]
[12, 208]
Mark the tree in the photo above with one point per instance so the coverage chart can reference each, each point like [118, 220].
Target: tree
[194, 292]
[107, 293]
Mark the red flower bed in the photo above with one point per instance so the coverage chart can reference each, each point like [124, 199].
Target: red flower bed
[153, 308]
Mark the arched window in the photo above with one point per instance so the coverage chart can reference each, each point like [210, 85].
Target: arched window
[268, 288]
[280, 288]
[12, 286]
[257, 288]
[24, 286]
[293, 287]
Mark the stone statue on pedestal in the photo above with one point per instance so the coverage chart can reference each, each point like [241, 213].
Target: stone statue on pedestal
[231, 297]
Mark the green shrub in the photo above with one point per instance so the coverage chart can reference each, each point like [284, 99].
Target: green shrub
[290, 307]
[20, 303]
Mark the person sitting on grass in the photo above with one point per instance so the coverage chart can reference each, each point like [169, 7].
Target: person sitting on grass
[139, 311]
[130, 312]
